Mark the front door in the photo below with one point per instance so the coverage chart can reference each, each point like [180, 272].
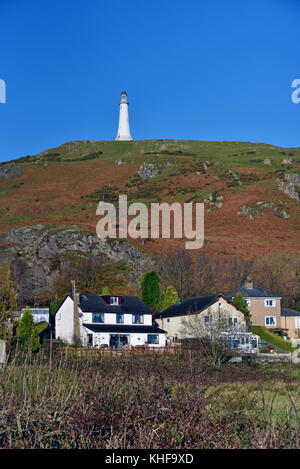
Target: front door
[90, 340]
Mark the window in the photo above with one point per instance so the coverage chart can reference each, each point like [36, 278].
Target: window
[233, 322]
[114, 300]
[270, 303]
[137, 319]
[168, 320]
[270, 320]
[209, 319]
[297, 322]
[153, 339]
[248, 302]
[120, 318]
[98, 317]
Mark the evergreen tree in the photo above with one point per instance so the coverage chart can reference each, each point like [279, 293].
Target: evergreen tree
[105, 291]
[150, 289]
[240, 302]
[27, 332]
[54, 305]
[7, 301]
[170, 298]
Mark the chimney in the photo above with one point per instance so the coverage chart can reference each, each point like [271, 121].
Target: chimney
[76, 320]
[249, 282]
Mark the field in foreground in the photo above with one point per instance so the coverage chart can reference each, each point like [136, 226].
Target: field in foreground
[146, 402]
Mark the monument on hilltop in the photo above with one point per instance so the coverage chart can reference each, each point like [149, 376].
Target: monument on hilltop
[123, 129]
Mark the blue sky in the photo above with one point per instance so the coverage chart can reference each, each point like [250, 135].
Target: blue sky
[203, 70]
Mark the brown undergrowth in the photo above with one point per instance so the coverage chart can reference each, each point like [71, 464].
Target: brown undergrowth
[54, 401]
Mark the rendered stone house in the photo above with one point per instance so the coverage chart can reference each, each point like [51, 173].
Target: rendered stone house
[290, 320]
[264, 306]
[266, 310]
[207, 310]
[107, 321]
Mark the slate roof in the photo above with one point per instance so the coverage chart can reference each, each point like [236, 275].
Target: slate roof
[96, 304]
[289, 312]
[123, 328]
[255, 292]
[191, 305]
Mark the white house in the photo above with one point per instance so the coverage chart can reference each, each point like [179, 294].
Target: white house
[39, 314]
[108, 320]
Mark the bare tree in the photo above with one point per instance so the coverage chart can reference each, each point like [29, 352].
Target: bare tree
[176, 269]
[220, 275]
[279, 272]
[209, 328]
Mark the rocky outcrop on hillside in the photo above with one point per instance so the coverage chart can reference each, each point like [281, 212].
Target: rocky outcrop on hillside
[214, 201]
[148, 171]
[9, 171]
[39, 245]
[235, 178]
[260, 207]
[291, 186]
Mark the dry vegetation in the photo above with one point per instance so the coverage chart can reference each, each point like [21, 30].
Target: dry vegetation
[53, 401]
[63, 186]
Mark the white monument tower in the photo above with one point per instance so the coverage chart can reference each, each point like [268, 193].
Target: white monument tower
[124, 130]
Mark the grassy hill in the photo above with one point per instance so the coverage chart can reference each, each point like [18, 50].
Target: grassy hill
[63, 185]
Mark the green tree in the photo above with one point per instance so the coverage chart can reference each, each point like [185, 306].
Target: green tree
[54, 305]
[105, 291]
[7, 301]
[170, 298]
[27, 332]
[150, 289]
[240, 302]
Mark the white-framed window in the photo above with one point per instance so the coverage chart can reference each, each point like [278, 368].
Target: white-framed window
[270, 303]
[208, 319]
[233, 322]
[98, 317]
[137, 319]
[248, 302]
[297, 322]
[114, 300]
[120, 318]
[270, 320]
[153, 339]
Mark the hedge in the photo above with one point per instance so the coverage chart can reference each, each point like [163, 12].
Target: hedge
[274, 339]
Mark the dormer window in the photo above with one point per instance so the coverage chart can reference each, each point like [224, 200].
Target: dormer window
[114, 300]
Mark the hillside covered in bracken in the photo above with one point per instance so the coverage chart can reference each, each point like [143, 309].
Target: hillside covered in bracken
[250, 190]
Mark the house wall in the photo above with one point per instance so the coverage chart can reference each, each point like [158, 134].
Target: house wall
[110, 318]
[64, 321]
[289, 322]
[174, 325]
[259, 311]
[103, 338]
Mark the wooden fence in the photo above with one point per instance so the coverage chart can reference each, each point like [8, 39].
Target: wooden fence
[94, 352]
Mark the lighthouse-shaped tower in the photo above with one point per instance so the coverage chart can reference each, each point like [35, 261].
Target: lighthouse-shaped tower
[124, 130]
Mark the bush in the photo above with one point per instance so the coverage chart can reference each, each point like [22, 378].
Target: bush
[273, 339]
